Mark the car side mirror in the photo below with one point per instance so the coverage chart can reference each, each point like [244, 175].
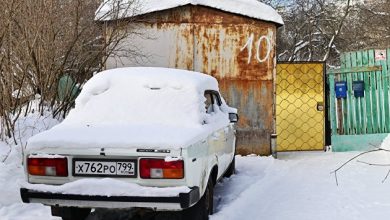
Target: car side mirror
[233, 117]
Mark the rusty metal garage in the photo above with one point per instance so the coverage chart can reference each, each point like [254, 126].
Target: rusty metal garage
[232, 44]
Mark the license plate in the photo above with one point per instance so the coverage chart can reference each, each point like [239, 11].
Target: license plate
[118, 168]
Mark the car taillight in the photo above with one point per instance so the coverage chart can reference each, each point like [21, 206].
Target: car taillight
[47, 166]
[161, 169]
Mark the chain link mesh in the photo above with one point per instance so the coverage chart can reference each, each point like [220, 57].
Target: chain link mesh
[299, 97]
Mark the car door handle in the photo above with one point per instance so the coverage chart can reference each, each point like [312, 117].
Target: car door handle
[226, 130]
[215, 136]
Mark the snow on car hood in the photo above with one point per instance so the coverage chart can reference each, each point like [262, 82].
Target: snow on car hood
[138, 107]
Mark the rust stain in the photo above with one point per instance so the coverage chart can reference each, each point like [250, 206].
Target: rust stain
[244, 121]
[209, 15]
[251, 51]
[177, 15]
[225, 54]
[253, 141]
[189, 35]
[253, 99]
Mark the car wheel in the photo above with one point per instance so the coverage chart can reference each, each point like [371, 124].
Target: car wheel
[231, 169]
[71, 213]
[209, 198]
[169, 216]
[204, 207]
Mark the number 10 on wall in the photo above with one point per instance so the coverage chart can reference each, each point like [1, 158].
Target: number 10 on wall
[249, 46]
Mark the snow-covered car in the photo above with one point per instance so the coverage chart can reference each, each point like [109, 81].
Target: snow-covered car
[152, 138]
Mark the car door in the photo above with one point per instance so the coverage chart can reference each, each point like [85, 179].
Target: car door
[218, 140]
[230, 141]
[228, 135]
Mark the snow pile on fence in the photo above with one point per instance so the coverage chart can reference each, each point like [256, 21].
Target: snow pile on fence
[249, 8]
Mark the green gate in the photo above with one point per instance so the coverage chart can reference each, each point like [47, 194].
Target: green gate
[360, 120]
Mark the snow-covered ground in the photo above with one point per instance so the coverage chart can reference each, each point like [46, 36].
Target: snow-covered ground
[11, 169]
[295, 186]
[300, 186]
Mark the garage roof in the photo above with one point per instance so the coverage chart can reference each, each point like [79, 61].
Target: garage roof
[131, 8]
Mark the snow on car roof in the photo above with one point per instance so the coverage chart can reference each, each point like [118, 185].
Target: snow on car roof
[138, 106]
[249, 8]
[143, 95]
[148, 77]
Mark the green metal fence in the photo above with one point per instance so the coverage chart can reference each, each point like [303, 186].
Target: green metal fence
[365, 115]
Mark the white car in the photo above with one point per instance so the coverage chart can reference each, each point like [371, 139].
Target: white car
[152, 138]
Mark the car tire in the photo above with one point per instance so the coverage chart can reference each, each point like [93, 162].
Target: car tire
[209, 198]
[231, 169]
[204, 207]
[71, 213]
[169, 216]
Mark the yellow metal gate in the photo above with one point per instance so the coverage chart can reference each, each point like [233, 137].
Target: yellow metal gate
[300, 119]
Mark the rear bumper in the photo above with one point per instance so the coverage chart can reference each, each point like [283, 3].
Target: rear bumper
[182, 201]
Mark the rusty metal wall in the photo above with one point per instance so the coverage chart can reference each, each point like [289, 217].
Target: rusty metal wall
[238, 51]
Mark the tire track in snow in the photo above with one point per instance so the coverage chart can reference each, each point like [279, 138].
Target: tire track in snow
[251, 171]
